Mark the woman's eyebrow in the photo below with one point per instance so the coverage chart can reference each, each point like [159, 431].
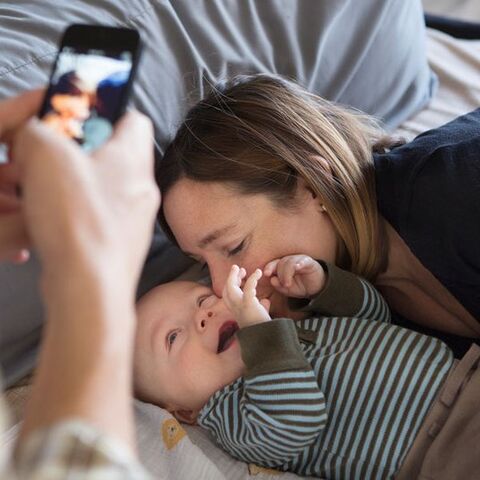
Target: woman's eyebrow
[212, 236]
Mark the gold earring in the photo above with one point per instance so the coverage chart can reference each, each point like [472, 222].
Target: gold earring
[323, 208]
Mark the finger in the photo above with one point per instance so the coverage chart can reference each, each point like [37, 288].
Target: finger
[286, 270]
[233, 275]
[36, 140]
[271, 267]
[306, 264]
[132, 133]
[250, 287]
[233, 291]
[15, 111]
[290, 270]
[242, 274]
[275, 282]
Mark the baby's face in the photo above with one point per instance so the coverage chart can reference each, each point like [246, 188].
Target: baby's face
[185, 345]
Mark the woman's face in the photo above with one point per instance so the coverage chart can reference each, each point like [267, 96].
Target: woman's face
[215, 224]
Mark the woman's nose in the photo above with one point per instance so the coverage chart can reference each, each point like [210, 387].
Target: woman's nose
[219, 274]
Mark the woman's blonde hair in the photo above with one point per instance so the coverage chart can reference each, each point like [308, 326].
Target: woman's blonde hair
[260, 134]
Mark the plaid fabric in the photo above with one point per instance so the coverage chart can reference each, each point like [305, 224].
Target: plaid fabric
[73, 450]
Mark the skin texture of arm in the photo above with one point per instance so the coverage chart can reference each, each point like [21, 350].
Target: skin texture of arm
[84, 370]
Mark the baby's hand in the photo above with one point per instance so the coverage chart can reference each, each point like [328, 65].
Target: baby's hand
[246, 307]
[298, 276]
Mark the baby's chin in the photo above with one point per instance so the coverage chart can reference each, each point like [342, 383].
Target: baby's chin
[234, 358]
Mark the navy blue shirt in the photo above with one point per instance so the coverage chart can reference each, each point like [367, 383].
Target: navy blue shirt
[429, 191]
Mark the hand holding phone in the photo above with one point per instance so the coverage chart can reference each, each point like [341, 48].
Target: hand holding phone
[90, 82]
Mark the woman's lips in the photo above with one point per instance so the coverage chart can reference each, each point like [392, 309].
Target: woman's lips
[226, 335]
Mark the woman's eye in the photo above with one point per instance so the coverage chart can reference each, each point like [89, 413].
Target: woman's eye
[237, 249]
[171, 338]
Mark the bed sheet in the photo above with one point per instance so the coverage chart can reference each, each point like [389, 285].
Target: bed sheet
[468, 10]
[457, 65]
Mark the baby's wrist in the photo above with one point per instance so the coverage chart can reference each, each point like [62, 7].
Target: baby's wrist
[253, 320]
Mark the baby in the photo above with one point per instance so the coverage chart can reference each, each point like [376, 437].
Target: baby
[342, 394]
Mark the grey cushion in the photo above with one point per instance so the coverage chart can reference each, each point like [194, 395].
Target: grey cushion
[369, 54]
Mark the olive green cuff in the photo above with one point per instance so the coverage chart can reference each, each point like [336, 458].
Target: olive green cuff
[342, 295]
[271, 347]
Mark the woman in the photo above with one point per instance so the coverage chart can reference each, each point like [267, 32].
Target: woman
[261, 169]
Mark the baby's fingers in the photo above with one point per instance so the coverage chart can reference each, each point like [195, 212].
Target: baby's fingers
[232, 291]
[236, 275]
[279, 287]
[271, 267]
[286, 271]
[250, 287]
[306, 264]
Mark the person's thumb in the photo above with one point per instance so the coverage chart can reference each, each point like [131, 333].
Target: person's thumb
[15, 111]
[132, 133]
[38, 150]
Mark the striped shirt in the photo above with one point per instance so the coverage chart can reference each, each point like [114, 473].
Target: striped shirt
[332, 397]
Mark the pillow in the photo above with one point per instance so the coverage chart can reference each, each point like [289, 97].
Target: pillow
[368, 54]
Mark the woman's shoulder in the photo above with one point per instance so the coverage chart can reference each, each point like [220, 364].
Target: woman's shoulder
[437, 166]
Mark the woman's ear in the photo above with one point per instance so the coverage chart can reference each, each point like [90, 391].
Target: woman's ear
[185, 416]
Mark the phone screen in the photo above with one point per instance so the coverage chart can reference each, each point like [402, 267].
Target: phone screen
[85, 92]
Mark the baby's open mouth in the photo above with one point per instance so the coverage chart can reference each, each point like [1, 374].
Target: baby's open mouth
[226, 335]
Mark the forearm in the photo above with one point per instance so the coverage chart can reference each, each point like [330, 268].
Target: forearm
[84, 369]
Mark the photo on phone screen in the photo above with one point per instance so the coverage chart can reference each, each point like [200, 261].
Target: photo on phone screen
[88, 89]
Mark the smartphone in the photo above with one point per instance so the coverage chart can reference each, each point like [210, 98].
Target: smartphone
[91, 82]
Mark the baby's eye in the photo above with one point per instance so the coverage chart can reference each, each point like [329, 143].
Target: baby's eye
[237, 249]
[205, 296]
